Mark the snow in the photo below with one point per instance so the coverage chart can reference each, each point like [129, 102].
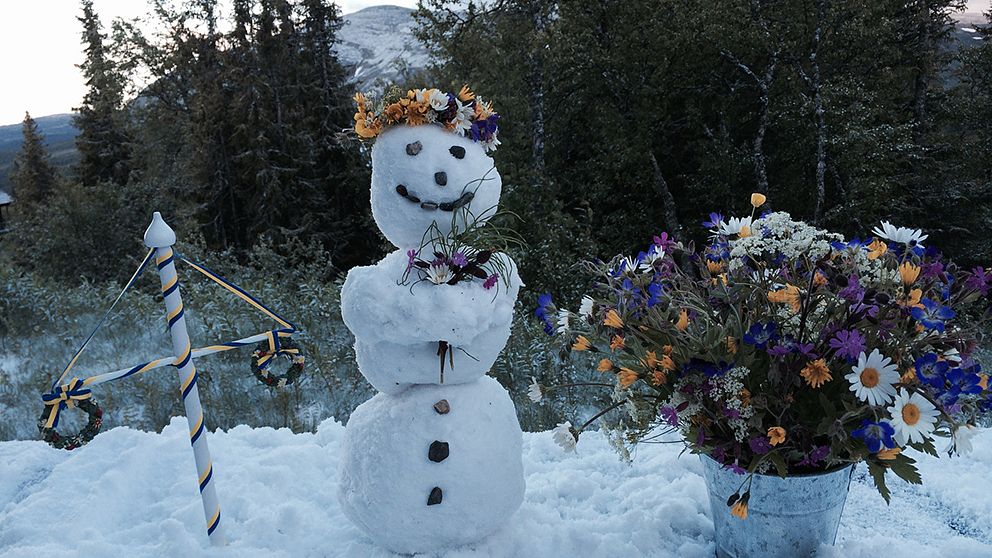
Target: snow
[397, 327]
[379, 43]
[404, 222]
[386, 461]
[133, 493]
[5, 198]
[969, 30]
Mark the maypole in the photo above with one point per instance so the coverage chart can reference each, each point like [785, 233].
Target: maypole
[161, 238]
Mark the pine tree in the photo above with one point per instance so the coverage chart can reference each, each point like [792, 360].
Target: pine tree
[33, 177]
[103, 143]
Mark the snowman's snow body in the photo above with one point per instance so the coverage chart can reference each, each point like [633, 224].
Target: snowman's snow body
[428, 465]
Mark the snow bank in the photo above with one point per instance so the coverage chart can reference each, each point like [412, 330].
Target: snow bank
[132, 493]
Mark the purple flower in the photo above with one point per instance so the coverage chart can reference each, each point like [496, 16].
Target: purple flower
[411, 257]
[760, 445]
[849, 343]
[778, 351]
[932, 270]
[814, 457]
[459, 259]
[544, 307]
[980, 280]
[670, 416]
[490, 282]
[853, 292]
[735, 468]
[664, 241]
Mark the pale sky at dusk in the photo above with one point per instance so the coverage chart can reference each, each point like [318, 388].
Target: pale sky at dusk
[39, 47]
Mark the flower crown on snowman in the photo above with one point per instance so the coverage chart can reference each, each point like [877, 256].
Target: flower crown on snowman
[464, 113]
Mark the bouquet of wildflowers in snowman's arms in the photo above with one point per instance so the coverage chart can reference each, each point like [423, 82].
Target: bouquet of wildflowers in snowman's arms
[782, 348]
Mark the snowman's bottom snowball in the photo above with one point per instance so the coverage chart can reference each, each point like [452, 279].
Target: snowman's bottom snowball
[387, 477]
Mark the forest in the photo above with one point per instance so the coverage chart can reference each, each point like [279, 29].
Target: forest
[620, 120]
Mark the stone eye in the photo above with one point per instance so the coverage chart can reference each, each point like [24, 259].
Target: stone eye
[458, 151]
[414, 148]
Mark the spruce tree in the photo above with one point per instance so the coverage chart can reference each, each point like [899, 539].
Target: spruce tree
[33, 177]
[102, 142]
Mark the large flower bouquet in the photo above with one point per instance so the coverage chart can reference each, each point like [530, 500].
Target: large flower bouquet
[781, 348]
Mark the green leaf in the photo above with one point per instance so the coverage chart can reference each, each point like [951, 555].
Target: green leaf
[779, 462]
[903, 466]
[878, 475]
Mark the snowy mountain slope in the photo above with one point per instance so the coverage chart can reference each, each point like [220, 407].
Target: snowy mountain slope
[132, 493]
[377, 42]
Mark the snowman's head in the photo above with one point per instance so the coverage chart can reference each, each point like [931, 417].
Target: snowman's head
[426, 174]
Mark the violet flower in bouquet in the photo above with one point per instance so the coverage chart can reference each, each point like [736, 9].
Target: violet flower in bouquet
[781, 348]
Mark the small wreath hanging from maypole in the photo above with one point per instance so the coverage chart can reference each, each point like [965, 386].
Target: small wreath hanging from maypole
[266, 353]
[67, 396]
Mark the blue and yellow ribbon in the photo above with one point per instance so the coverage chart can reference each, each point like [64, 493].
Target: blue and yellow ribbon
[62, 398]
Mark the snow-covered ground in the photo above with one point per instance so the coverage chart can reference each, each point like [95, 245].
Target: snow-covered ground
[132, 493]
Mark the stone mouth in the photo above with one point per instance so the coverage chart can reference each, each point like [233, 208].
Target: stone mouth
[430, 205]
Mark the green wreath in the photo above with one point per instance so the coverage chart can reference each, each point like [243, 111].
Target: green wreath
[81, 438]
[264, 355]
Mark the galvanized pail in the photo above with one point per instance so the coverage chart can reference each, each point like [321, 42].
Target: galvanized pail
[787, 518]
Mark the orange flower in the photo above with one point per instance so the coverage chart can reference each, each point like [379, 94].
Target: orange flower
[715, 267]
[616, 343]
[732, 345]
[416, 113]
[816, 373]
[745, 397]
[739, 509]
[744, 232]
[659, 378]
[360, 101]
[913, 299]
[393, 112]
[909, 376]
[613, 319]
[888, 454]
[758, 200]
[983, 381]
[368, 127]
[877, 249]
[776, 435]
[683, 323]
[667, 349]
[605, 365]
[581, 344]
[819, 279]
[626, 377]
[789, 295]
[909, 273]
[465, 94]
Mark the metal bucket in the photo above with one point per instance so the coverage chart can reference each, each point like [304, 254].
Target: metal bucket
[786, 518]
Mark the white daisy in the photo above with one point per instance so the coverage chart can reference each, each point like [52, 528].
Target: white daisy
[564, 321]
[534, 391]
[732, 226]
[654, 255]
[437, 99]
[952, 355]
[912, 416]
[585, 309]
[492, 144]
[566, 436]
[439, 273]
[873, 379]
[901, 235]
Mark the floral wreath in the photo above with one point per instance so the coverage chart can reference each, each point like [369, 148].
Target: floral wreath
[73, 394]
[464, 113]
[265, 353]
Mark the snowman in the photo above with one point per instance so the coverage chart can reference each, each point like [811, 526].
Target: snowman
[433, 461]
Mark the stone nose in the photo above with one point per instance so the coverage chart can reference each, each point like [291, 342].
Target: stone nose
[441, 178]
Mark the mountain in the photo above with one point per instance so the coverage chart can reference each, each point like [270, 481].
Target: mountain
[59, 135]
[378, 46]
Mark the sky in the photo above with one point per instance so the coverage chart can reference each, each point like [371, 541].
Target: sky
[39, 48]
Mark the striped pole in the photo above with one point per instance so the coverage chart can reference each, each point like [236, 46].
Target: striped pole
[161, 237]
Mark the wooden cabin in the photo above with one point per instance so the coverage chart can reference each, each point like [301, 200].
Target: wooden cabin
[5, 201]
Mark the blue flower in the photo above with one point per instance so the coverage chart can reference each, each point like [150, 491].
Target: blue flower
[933, 314]
[655, 290]
[544, 307]
[760, 335]
[930, 370]
[854, 244]
[876, 435]
[714, 222]
[962, 382]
